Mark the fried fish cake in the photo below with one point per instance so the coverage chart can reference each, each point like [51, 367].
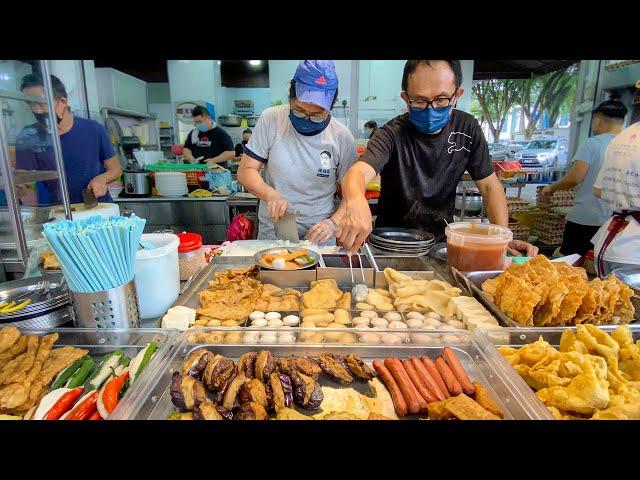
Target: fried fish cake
[8, 338]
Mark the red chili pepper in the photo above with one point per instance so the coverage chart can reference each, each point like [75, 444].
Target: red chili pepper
[84, 409]
[111, 394]
[95, 416]
[65, 402]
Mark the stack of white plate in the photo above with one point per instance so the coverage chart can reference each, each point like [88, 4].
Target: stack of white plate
[401, 241]
[171, 184]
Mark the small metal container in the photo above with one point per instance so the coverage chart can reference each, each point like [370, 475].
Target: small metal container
[113, 308]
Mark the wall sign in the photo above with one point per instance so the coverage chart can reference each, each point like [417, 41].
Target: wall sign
[183, 112]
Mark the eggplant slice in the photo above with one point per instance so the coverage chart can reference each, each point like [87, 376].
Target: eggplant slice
[251, 411]
[196, 363]
[335, 367]
[246, 364]
[359, 368]
[306, 391]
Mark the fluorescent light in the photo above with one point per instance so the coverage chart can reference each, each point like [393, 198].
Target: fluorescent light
[219, 62]
[255, 63]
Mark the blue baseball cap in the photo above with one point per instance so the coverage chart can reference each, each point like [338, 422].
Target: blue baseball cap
[316, 82]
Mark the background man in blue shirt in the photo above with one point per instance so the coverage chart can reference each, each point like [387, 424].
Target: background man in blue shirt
[89, 158]
[588, 213]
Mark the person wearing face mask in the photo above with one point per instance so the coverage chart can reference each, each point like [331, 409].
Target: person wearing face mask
[370, 128]
[305, 153]
[208, 140]
[588, 213]
[421, 156]
[89, 158]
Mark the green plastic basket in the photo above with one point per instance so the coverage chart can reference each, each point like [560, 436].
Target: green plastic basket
[176, 167]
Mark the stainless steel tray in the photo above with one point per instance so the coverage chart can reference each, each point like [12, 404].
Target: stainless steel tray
[153, 402]
[518, 337]
[101, 341]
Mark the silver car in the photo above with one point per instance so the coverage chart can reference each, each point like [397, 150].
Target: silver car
[544, 152]
[500, 153]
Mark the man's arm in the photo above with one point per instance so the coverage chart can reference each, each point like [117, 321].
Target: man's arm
[223, 157]
[494, 200]
[249, 176]
[188, 155]
[573, 177]
[99, 183]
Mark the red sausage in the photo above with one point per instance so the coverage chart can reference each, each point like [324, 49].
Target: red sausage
[392, 386]
[417, 382]
[449, 378]
[458, 370]
[427, 380]
[430, 367]
[409, 392]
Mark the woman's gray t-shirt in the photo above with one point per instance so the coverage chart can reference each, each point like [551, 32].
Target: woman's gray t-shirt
[305, 170]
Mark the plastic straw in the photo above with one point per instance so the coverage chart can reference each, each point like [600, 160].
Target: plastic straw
[96, 254]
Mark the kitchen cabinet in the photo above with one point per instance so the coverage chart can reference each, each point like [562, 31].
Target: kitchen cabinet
[119, 90]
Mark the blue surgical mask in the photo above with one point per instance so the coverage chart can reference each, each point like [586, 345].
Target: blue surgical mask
[202, 127]
[429, 120]
[304, 126]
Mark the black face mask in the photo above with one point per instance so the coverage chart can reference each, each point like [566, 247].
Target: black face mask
[42, 118]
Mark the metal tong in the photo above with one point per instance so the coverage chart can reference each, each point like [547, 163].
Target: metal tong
[359, 291]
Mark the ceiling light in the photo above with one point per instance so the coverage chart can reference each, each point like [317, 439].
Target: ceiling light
[255, 63]
[219, 62]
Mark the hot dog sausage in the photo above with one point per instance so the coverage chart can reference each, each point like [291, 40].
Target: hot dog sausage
[449, 378]
[427, 380]
[406, 387]
[458, 370]
[430, 367]
[392, 386]
[423, 390]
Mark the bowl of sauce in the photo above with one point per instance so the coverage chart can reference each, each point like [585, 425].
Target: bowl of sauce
[477, 247]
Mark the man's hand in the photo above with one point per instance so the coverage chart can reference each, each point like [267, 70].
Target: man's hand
[322, 231]
[356, 224]
[98, 186]
[277, 206]
[517, 246]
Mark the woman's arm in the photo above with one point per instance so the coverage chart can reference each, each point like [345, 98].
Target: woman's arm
[249, 176]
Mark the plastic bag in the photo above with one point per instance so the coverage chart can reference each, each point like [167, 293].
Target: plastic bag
[221, 179]
[240, 228]
[32, 268]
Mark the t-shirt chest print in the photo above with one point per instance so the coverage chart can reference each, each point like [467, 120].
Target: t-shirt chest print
[326, 164]
[204, 142]
[458, 142]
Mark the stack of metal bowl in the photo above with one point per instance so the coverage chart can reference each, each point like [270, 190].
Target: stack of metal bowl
[49, 307]
[401, 241]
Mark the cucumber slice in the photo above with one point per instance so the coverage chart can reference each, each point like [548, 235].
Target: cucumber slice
[105, 369]
[67, 372]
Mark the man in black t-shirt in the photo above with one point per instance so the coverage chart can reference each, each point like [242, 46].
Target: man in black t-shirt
[208, 140]
[421, 156]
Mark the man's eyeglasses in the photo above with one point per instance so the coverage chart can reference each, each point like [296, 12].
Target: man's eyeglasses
[316, 117]
[422, 103]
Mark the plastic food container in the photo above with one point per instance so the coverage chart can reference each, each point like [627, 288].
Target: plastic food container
[102, 341]
[518, 337]
[191, 257]
[157, 275]
[477, 247]
[153, 401]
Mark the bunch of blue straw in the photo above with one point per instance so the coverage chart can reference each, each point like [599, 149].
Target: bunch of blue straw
[96, 254]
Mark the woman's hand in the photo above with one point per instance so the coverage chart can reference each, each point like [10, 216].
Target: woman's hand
[322, 231]
[276, 206]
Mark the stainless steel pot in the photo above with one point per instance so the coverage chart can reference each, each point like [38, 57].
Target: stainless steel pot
[472, 202]
[136, 182]
[251, 121]
[230, 120]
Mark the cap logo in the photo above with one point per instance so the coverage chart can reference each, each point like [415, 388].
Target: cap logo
[321, 80]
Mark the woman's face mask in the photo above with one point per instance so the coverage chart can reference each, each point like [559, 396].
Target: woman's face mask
[305, 126]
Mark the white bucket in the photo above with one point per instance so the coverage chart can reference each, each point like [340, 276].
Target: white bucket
[157, 277]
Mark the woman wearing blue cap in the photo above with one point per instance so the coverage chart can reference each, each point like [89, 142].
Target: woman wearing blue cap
[305, 153]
